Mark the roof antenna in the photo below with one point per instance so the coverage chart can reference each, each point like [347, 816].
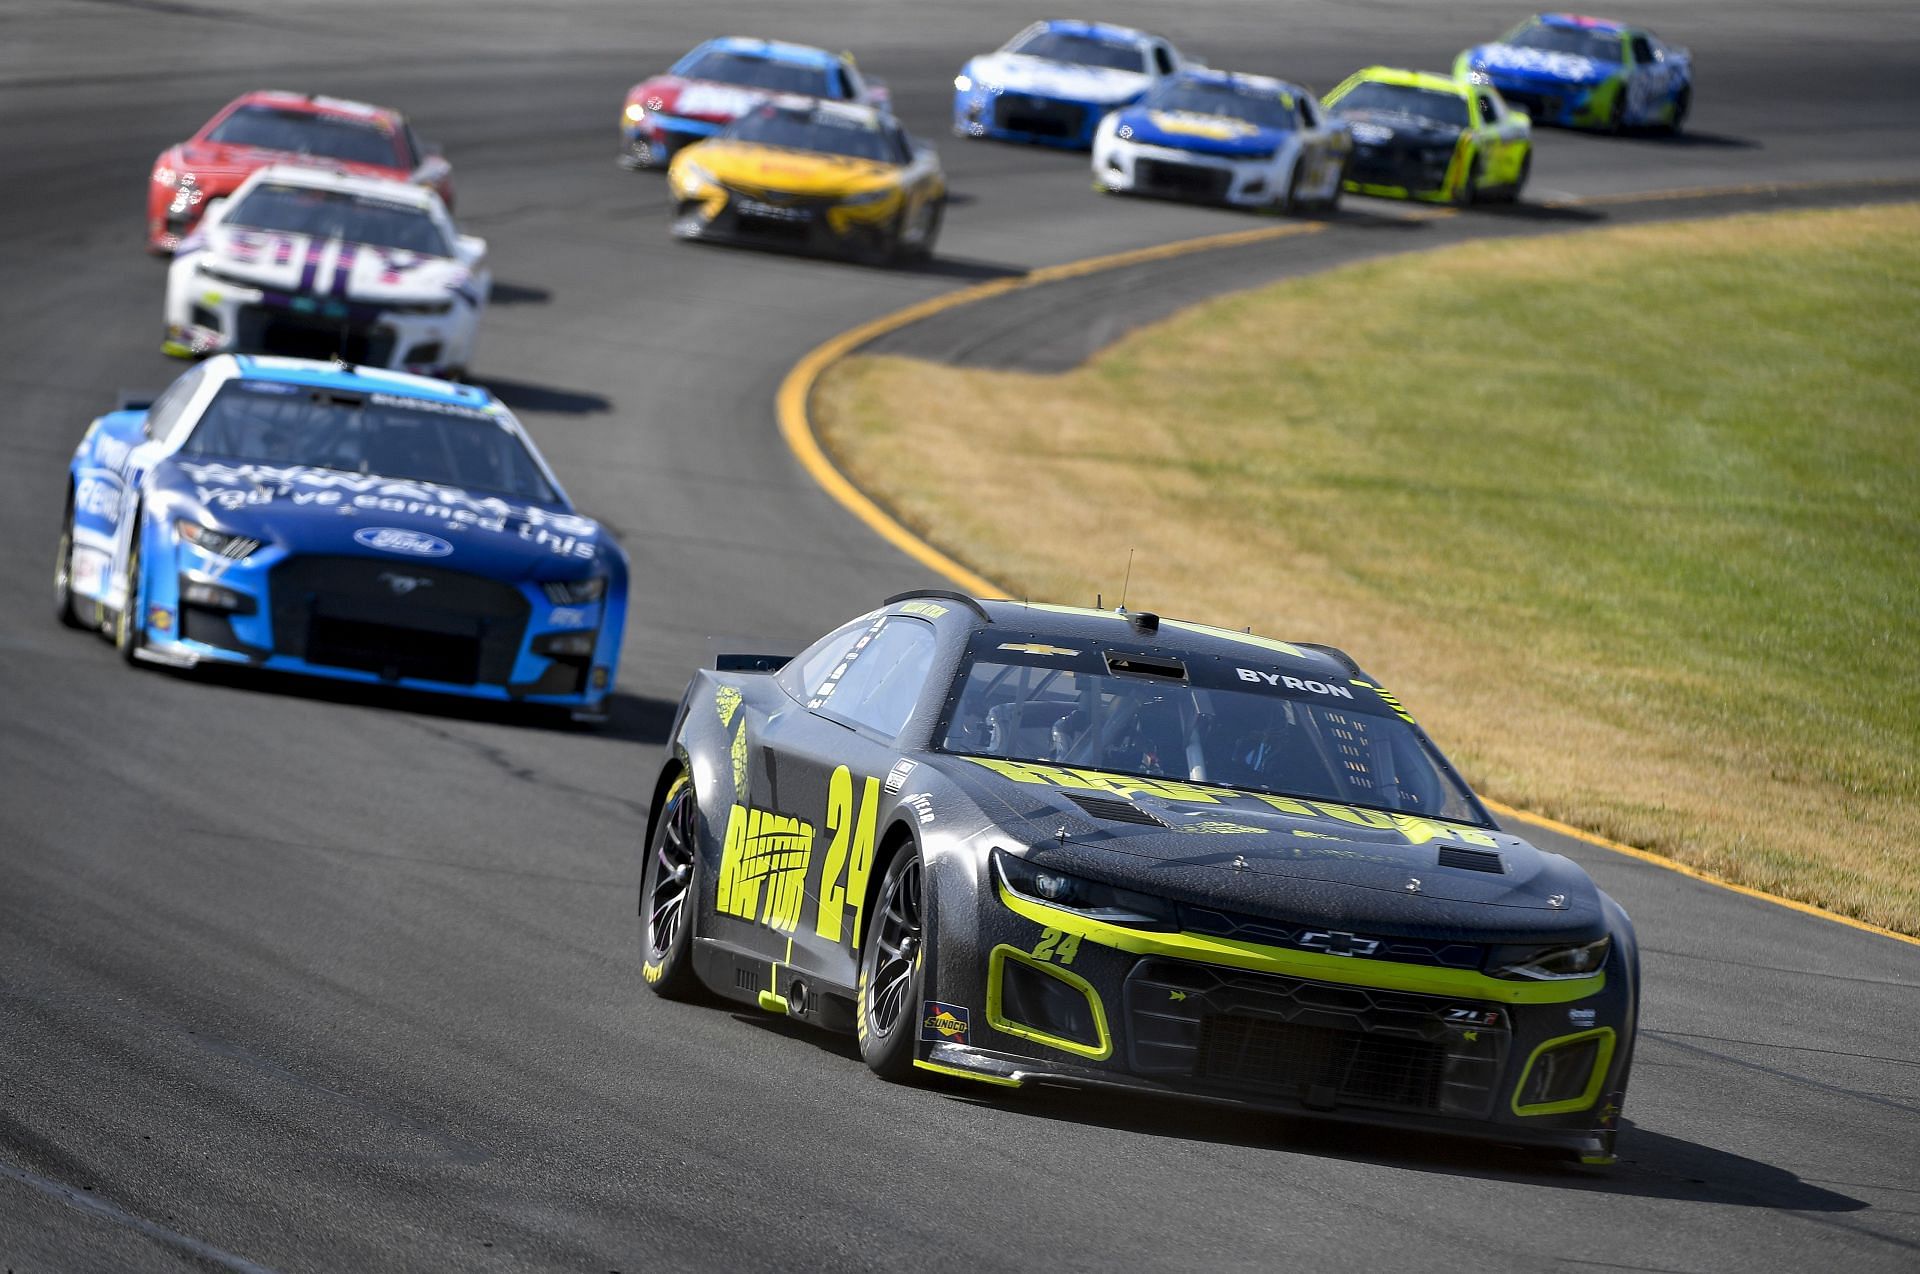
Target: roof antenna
[1127, 581]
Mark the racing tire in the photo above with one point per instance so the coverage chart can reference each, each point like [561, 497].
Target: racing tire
[1682, 103]
[1617, 114]
[63, 574]
[1290, 202]
[129, 627]
[893, 969]
[1511, 195]
[669, 889]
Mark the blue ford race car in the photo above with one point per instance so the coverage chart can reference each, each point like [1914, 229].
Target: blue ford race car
[1578, 72]
[1052, 83]
[340, 522]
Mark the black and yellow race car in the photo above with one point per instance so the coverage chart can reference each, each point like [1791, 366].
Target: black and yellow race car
[1015, 843]
[805, 173]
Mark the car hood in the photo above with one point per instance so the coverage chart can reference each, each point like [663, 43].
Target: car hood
[708, 100]
[1544, 64]
[1275, 854]
[750, 166]
[1200, 133]
[1371, 128]
[287, 262]
[1066, 80]
[213, 162]
[325, 511]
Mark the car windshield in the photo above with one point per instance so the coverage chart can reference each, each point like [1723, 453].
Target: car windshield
[1259, 736]
[832, 132]
[1083, 50]
[753, 71]
[1601, 46]
[339, 214]
[1403, 99]
[1262, 108]
[391, 436]
[353, 139]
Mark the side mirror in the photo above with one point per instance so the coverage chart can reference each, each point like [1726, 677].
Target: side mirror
[472, 249]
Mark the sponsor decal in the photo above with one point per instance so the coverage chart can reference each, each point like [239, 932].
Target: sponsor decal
[897, 776]
[160, 618]
[1338, 942]
[763, 868]
[1581, 1017]
[726, 701]
[567, 617]
[393, 539]
[1293, 683]
[1473, 1017]
[1035, 648]
[931, 610]
[401, 585]
[943, 1023]
[98, 495]
[922, 806]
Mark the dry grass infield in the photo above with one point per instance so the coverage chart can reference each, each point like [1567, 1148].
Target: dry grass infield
[1629, 518]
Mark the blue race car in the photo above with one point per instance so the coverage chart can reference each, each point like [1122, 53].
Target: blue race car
[1590, 73]
[1055, 81]
[341, 522]
[724, 79]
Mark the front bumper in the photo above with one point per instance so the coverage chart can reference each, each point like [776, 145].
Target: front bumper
[1558, 103]
[773, 220]
[1126, 167]
[346, 619]
[1048, 997]
[1009, 115]
[1390, 170]
[214, 316]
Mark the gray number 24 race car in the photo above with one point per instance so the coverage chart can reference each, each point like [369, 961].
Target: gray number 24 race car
[1020, 844]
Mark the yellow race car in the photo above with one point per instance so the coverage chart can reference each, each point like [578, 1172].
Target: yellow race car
[802, 173]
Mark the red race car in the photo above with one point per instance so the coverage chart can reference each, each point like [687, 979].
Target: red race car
[264, 128]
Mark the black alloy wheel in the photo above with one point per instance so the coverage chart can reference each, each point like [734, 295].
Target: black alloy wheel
[63, 573]
[892, 968]
[669, 891]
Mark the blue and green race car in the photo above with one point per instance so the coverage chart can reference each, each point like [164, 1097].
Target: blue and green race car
[1592, 73]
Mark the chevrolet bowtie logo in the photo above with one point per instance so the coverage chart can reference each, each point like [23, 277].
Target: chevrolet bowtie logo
[1036, 648]
[1337, 943]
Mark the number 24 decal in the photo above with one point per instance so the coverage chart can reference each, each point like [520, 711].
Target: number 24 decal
[1057, 945]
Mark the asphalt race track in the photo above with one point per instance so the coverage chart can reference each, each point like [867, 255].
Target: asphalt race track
[293, 979]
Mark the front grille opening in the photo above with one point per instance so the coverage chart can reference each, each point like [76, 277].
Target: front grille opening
[1471, 859]
[1319, 1065]
[277, 331]
[1044, 1003]
[1195, 180]
[393, 652]
[1039, 118]
[1115, 811]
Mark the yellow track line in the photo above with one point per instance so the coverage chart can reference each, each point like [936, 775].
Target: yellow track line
[794, 397]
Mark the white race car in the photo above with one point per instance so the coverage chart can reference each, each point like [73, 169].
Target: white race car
[1051, 83]
[320, 264]
[1221, 137]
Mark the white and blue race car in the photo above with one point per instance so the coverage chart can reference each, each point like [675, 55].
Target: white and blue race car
[1052, 83]
[334, 521]
[1221, 137]
[1592, 73]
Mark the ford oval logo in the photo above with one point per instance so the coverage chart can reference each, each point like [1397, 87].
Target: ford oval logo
[391, 539]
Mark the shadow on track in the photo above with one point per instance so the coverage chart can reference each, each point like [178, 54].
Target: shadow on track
[630, 718]
[1651, 1165]
[521, 396]
[516, 294]
[1563, 214]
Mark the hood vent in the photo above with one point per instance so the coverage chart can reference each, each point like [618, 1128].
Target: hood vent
[1116, 811]
[1471, 859]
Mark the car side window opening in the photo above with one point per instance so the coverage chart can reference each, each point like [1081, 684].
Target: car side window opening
[163, 417]
[879, 681]
[1308, 116]
[1162, 59]
[1642, 51]
[1489, 113]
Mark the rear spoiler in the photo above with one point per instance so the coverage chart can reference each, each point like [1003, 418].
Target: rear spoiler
[736, 654]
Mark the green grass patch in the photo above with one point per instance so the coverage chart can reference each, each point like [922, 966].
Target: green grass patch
[1631, 516]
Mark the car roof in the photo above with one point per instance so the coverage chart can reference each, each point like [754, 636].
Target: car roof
[1432, 81]
[1237, 79]
[1607, 25]
[316, 104]
[774, 50]
[1089, 627]
[351, 378]
[1097, 30]
[315, 176]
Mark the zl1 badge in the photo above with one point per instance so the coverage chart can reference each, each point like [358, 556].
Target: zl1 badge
[943, 1023]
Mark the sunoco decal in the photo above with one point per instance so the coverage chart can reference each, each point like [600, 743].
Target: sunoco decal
[943, 1023]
